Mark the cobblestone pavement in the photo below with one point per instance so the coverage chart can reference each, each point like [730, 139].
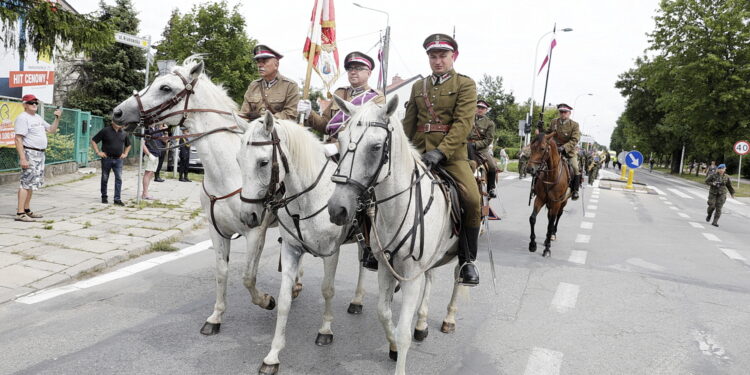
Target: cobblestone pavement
[79, 235]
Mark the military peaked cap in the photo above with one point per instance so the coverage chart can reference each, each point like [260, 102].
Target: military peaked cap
[358, 58]
[482, 103]
[261, 52]
[564, 107]
[440, 41]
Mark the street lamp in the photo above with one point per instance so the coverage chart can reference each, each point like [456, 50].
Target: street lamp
[576, 100]
[533, 77]
[386, 45]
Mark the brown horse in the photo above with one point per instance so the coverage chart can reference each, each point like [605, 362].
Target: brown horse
[551, 177]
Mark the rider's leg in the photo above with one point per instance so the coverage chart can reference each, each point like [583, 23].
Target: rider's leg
[576, 181]
[491, 175]
[470, 221]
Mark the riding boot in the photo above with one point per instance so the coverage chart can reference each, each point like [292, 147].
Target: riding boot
[368, 259]
[710, 212]
[576, 183]
[491, 178]
[467, 253]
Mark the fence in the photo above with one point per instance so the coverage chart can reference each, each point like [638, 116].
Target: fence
[71, 141]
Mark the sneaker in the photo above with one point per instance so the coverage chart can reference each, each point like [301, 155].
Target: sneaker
[24, 217]
[104, 200]
[119, 202]
[33, 215]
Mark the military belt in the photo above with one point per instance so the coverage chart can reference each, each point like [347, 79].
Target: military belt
[429, 128]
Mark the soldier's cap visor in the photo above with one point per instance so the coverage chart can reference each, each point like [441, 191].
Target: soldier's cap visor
[483, 104]
[440, 42]
[262, 52]
[564, 107]
[358, 58]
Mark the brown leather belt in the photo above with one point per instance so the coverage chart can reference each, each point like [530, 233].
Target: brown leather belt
[429, 128]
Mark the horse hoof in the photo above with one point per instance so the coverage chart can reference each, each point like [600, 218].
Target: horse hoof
[296, 290]
[210, 329]
[393, 355]
[448, 327]
[271, 303]
[547, 253]
[266, 369]
[324, 339]
[354, 309]
[532, 246]
[420, 335]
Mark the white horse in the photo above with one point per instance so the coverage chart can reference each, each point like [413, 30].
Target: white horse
[276, 152]
[188, 88]
[380, 169]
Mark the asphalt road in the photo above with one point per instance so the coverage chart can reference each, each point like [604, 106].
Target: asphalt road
[640, 285]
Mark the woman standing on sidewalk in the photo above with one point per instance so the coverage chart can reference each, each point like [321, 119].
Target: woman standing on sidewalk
[151, 151]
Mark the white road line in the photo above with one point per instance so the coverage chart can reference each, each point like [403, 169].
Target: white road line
[711, 237]
[565, 297]
[682, 214]
[543, 362]
[662, 198]
[583, 238]
[44, 295]
[591, 207]
[578, 256]
[704, 194]
[680, 193]
[509, 178]
[656, 189]
[593, 200]
[587, 225]
[673, 208]
[696, 225]
[590, 215]
[668, 202]
[732, 254]
[527, 179]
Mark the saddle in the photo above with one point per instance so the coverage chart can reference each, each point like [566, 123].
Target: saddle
[450, 187]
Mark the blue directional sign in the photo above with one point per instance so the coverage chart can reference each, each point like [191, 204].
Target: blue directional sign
[634, 159]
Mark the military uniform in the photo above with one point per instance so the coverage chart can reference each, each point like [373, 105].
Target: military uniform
[567, 133]
[280, 95]
[523, 160]
[481, 136]
[439, 116]
[593, 169]
[718, 184]
[320, 122]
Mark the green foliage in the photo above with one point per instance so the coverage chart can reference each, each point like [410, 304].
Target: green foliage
[218, 32]
[503, 110]
[60, 147]
[113, 72]
[48, 27]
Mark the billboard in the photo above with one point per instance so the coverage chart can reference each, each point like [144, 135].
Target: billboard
[8, 113]
[33, 75]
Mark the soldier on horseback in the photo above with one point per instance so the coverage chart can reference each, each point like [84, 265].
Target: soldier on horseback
[480, 143]
[272, 91]
[567, 134]
[438, 119]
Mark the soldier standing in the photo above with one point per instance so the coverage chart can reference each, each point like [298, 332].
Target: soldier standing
[523, 159]
[594, 167]
[438, 119]
[480, 141]
[567, 134]
[272, 91]
[718, 184]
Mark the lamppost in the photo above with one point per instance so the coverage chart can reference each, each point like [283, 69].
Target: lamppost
[576, 100]
[386, 45]
[533, 77]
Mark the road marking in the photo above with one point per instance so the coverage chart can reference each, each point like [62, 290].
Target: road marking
[590, 215]
[673, 208]
[583, 238]
[43, 295]
[587, 225]
[680, 194]
[732, 254]
[662, 198]
[668, 202]
[565, 297]
[682, 214]
[657, 190]
[696, 225]
[704, 193]
[591, 207]
[593, 200]
[711, 237]
[543, 362]
[527, 179]
[509, 178]
[578, 256]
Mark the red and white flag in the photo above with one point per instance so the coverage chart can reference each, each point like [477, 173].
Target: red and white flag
[321, 42]
[549, 54]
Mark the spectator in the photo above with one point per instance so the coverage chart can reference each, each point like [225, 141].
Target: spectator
[161, 144]
[711, 169]
[651, 165]
[184, 160]
[503, 159]
[31, 143]
[115, 148]
[151, 153]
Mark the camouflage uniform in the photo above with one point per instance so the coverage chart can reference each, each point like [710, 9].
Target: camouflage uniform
[32, 178]
[717, 194]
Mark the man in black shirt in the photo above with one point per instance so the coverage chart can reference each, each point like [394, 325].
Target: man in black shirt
[115, 148]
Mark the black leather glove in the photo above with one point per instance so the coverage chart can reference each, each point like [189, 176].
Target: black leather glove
[561, 150]
[433, 158]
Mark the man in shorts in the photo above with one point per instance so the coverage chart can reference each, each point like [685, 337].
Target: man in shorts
[31, 143]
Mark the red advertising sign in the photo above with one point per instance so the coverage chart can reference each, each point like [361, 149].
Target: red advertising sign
[31, 78]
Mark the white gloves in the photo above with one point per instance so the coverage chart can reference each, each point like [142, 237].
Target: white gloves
[304, 107]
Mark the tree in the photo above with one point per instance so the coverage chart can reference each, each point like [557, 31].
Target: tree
[218, 32]
[45, 28]
[503, 110]
[113, 72]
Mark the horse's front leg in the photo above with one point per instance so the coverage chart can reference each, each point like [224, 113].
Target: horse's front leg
[355, 307]
[325, 334]
[387, 284]
[532, 222]
[557, 221]
[449, 323]
[221, 251]
[290, 260]
[410, 297]
[421, 329]
[254, 241]
[551, 217]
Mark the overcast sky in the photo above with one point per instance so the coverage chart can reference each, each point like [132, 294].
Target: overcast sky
[494, 37]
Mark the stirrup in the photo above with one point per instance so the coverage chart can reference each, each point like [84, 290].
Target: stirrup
[460, 280]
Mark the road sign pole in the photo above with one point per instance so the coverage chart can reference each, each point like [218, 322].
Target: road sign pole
[739, 173]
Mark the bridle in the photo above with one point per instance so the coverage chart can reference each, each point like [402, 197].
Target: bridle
[341, 179]
[546, 166]
[275, 187]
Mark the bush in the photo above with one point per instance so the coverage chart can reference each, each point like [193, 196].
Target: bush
[511, 151]
[60, 147]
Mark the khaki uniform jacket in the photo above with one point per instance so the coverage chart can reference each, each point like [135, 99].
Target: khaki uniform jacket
[719, 184]
[483, 134]
[282, 97]
[454, 102]
[319, 121]
[568, 134]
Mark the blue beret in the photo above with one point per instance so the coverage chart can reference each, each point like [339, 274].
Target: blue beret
[722, 166]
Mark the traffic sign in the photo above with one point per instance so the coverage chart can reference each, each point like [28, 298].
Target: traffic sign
[621, 157]
[132, 40]
[634, 159]
[742, 147]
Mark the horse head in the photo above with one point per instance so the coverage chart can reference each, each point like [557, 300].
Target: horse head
[541, 151]
[366, 150]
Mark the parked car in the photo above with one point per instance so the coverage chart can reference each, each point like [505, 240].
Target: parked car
[194, 163]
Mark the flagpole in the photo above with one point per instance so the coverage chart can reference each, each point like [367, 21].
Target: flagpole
[546, 80]
[310, 58]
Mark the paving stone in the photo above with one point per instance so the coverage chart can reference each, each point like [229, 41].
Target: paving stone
[86, 233]
[67, 257]
[95, 246]
[62, 240]
[16, 275]
[22, 225]
[168, 235]
[91, 265]
[9, 294]
[42, 265]
[38, 251]
[140, 232]
[7, 259]
[66, 226]
[41, 233]
[50, 281]
[126, 222]
[114, 257]
[12, 239]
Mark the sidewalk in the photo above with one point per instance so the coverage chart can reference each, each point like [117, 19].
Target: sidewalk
[79, 235]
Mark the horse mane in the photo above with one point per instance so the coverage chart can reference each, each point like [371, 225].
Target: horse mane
[215, 95]
[303, 146]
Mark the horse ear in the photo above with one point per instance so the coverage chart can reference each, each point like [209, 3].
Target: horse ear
[268, 120]
[240, 122]
[345, 106]
[196, 71]
[391, 106]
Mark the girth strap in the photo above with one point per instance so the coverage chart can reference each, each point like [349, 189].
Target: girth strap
[212, 198]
